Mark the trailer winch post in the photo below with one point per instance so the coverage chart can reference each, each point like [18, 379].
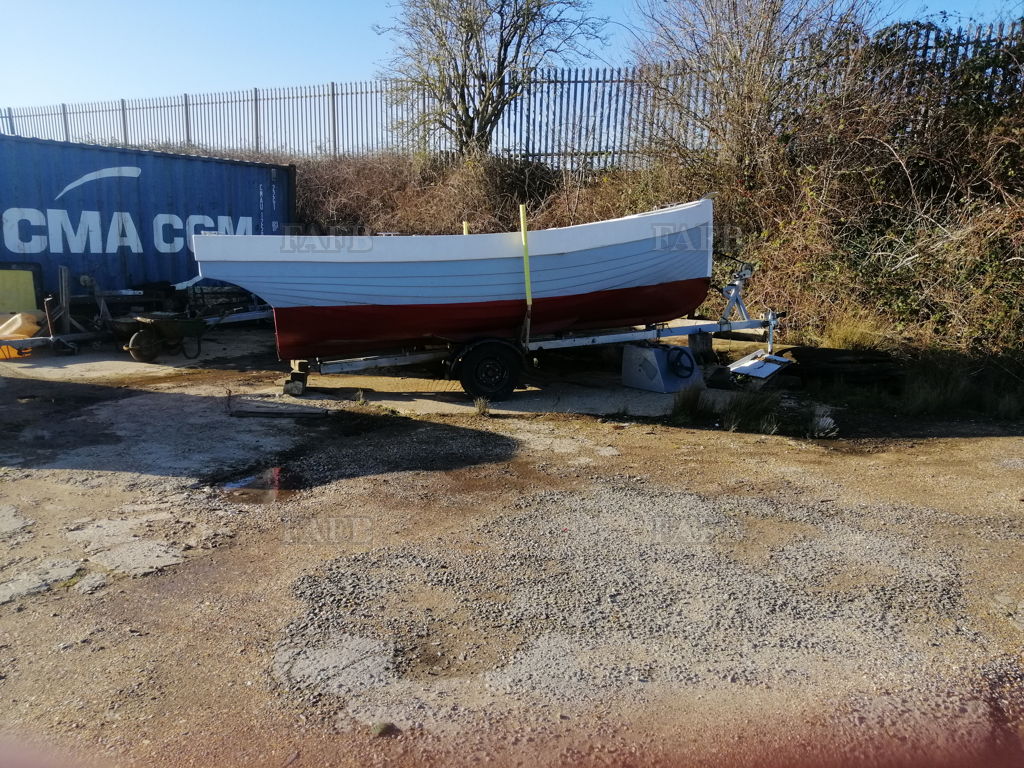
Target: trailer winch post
[733, 293]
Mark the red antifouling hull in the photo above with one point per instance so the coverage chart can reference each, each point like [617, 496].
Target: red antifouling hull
[318, 332]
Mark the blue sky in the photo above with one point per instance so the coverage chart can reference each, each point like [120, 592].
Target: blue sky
[90, 50]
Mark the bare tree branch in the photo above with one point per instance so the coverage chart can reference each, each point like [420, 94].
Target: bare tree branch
[468, 60]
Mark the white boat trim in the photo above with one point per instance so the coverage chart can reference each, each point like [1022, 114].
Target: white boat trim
[436, 248]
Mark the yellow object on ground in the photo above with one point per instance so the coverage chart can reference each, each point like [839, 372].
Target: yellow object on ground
[23, 325]
[10, 353]
[17, 290]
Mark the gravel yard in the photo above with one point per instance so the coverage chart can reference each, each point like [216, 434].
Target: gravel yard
[181, 586]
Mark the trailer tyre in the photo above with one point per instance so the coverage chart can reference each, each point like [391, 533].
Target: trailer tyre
[490, 370]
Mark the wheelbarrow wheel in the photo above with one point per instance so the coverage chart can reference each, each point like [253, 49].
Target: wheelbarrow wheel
[198, 349]
[144, 346]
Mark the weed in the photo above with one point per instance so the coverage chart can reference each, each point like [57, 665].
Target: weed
[1007, 405]
[686, 407]
[68, 583]
[751, 412]
[820, 424]
[857, 330]
[769, 424]
[938, 384]
[483, 406]
[935, 393]
[926, 395]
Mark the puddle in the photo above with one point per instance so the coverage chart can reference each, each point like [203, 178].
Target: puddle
[266, 487]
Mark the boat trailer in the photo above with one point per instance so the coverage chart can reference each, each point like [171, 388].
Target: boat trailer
[490, 367]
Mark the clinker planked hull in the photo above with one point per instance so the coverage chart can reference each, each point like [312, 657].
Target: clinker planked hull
[321, 332]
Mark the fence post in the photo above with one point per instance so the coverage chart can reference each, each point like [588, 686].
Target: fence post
[67, 125]
[334, 118]
[256, 117]
[526, 115]
[124, 120]
[10, 121]
[188, 119]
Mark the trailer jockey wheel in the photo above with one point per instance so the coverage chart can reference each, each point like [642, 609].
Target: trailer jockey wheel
[144, 346]
[490, 370]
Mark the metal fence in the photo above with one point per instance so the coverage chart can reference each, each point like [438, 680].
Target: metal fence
[562, 112]
[601, 116]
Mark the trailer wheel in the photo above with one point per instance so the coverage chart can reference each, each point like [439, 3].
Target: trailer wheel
[144, 346]
[490, 370]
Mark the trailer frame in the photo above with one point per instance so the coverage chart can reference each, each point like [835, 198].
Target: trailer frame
[453, 354]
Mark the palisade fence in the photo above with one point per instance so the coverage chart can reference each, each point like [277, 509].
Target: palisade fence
[561, 113]
[601, 117]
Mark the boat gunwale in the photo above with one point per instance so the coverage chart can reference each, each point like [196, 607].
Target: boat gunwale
[216, 248]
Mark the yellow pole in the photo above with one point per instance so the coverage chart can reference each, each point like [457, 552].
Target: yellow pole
[526, 258]
[465, 227]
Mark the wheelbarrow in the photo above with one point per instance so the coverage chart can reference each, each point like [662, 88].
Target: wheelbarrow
[150, 334]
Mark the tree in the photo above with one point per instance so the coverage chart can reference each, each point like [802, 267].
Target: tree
[743, 70]
[461, 63]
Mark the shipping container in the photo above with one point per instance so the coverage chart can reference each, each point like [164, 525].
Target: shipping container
[126, 217]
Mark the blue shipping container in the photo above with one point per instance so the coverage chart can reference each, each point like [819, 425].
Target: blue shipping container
[126, 217]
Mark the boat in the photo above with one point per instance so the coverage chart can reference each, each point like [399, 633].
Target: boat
[342, 296]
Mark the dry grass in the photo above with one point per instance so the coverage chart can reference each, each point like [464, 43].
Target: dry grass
[752, 412]
[757, 411]
[953, 279]
[686, 407]
[821, 424]
[938, 384]
[418, 194]
[945, 385]
[851, 328]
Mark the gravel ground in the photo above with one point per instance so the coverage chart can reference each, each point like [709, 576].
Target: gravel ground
[181, 586]
[621, 596]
